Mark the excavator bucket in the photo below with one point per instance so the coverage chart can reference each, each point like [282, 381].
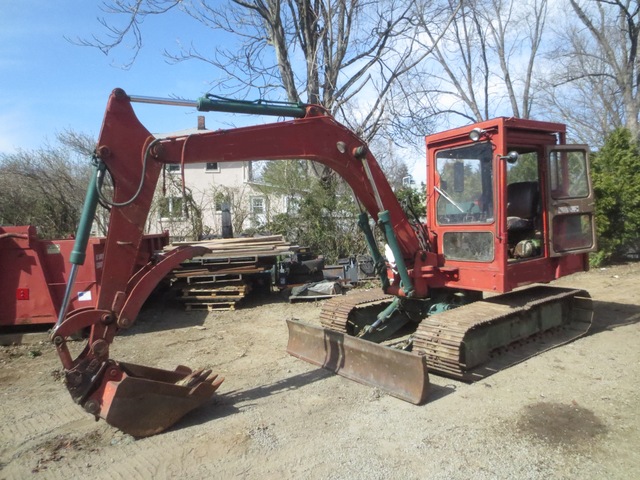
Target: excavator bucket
[143, 401]
[399, 373]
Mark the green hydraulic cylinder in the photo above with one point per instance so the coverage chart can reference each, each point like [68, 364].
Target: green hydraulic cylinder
[79, 252]
[378, 260]
[385, 219]
[213, 103]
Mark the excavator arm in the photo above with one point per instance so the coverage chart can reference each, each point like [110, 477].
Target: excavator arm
[141, 400]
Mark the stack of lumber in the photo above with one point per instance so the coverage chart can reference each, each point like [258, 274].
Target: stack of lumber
[221, 278]
[272, 245]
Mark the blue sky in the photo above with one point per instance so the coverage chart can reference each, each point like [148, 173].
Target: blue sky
[48, 84]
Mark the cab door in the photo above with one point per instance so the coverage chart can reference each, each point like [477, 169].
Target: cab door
[570, 201]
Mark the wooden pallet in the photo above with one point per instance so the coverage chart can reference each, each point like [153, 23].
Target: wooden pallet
[217, 280]
[214, 278]
[211, 297]
[214, 296]
[214, 291]
[210, 306]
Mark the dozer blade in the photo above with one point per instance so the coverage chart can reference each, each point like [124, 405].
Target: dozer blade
[144, 401]
[399, 373]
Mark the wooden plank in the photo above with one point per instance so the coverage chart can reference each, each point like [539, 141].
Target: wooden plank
[223, 271]
[213, 294]
[212, 298]
[241, 247]
[266, 238]
[247, 253]
[214, 287]
[235, 241]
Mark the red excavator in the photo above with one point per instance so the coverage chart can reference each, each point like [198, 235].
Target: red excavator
[509, 204]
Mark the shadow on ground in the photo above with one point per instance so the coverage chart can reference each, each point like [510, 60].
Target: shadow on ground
[609, 315]
[163, 312]
[227, 403]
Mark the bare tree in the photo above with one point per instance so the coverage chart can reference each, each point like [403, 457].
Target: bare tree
[346, 55]
[46, 187]
[483, 66]
[337, 53]
[179, 209]
[513, 34]
[597, 88]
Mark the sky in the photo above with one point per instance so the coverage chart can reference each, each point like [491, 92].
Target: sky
[48, 84]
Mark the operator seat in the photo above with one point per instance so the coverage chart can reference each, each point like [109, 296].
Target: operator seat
[523, 206]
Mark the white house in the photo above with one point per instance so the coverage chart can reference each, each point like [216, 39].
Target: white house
[212, 187]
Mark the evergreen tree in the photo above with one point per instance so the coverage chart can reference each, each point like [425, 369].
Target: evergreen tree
[616, 181]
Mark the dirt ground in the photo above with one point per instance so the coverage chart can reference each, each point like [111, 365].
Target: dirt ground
[572, 412]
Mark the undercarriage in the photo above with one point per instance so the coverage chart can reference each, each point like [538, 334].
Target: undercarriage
[463, 341]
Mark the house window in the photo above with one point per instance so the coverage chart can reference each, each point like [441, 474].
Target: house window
[211, 167]
[173, 168]
[258, 211]
[292, 204]
[255, 170]
[171, 208]
[257, 205]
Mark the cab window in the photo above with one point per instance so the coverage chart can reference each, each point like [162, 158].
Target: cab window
[465, 185]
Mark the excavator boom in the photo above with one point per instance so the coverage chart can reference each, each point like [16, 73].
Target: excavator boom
[144, 401]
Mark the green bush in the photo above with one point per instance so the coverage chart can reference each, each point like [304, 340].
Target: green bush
[324, 218]
[616, 182]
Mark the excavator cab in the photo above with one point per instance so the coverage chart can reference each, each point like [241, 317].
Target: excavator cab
[509, 204]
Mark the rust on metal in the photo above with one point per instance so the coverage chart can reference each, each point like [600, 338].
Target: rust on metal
[399, 373]
[143, 401]
[335, 314]
[446, 338]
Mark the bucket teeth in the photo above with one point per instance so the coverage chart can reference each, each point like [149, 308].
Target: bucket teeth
[194, 378]
[214, 381]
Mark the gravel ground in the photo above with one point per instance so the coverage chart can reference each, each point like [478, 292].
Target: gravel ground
[568, 413]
